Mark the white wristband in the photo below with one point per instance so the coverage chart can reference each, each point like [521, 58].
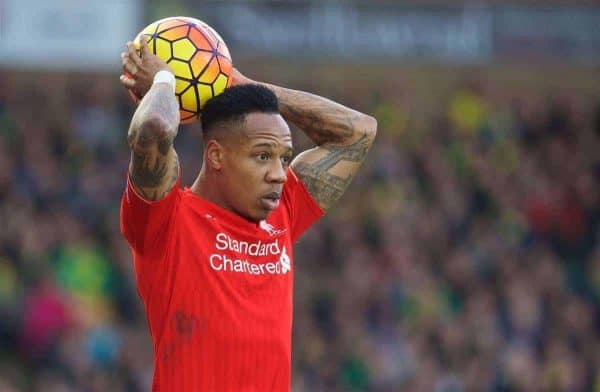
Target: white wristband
[165, 77]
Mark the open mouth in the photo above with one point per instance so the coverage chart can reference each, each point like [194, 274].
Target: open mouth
[271, 200]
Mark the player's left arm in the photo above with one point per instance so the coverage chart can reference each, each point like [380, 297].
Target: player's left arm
[343, 137]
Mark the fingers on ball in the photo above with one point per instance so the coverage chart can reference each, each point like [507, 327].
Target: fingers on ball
[133, 54]
[143, 44]
[127, 82]
[129, 67]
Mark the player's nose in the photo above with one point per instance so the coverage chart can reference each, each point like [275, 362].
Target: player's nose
[277, 172]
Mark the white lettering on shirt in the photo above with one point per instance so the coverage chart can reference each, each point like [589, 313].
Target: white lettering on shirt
[225, 262]
[258, 248]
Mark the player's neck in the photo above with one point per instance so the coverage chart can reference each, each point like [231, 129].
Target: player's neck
[204, 188]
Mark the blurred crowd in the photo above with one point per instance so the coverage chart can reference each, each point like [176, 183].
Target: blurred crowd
[465, 256]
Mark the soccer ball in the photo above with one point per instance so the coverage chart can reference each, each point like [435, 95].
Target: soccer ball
[197, 55]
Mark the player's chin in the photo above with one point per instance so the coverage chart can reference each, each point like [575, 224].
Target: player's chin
[261, 213]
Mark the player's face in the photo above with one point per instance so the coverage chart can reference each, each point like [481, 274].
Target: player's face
[256, 164]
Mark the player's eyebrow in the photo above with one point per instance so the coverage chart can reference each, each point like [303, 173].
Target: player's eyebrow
[288, 150]
[265, 144]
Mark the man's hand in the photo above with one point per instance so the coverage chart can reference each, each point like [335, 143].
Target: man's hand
[238, 78]
[140, 67]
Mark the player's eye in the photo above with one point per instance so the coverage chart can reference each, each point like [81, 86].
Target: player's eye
[286, 159]
[263, 156]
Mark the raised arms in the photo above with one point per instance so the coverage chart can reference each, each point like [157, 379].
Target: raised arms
[154, 166]
[343, 137]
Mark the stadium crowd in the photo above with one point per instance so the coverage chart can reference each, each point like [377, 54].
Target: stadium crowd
[465, 256]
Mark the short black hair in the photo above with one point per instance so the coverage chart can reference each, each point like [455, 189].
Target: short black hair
[236, 102]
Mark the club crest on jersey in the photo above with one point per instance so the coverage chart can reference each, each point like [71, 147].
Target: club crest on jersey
[270, 228]
[285, 262]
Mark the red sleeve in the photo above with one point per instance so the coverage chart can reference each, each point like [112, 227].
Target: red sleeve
[145, 224]
[302, 207]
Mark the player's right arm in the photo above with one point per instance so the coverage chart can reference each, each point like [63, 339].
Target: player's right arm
[154, 165]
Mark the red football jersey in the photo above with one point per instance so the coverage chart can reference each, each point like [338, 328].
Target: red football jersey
[217, 288]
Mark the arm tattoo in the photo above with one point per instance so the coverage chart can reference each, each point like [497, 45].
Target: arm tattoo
[343, 137]
[161, 101]
[322, 120]
[148, 168]
[153, 171]
[319, 177]
[147, 174]
[174, 175]
[149, 180]
[155, 103]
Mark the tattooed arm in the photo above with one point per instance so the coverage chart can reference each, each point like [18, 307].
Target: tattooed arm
[343, 137]
[154, 166]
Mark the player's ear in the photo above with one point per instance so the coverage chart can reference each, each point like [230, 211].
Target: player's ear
[214, 155]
